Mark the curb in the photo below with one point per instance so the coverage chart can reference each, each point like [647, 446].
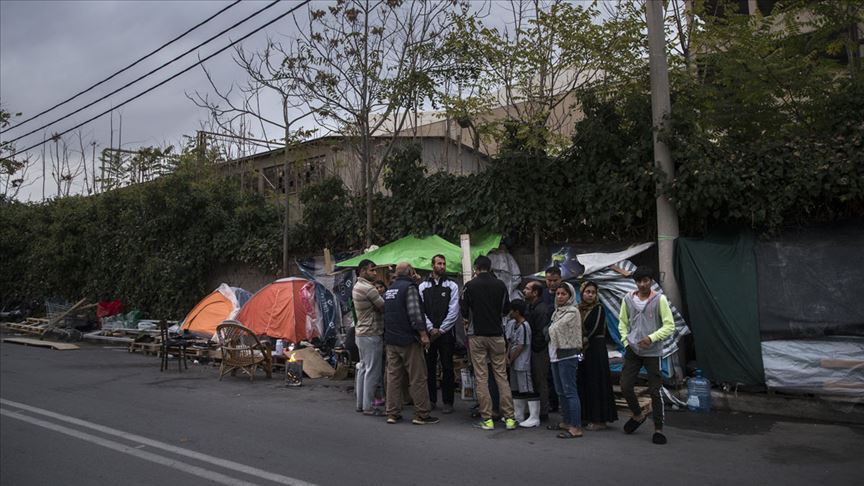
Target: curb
[826, 409]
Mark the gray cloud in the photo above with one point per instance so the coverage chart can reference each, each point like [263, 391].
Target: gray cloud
[50, 50]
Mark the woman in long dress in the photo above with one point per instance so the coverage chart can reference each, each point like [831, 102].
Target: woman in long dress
[595, 381]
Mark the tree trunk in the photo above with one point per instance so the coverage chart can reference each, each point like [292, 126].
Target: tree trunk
[287, 209]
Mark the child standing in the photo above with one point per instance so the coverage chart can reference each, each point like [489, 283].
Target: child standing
[519, 361]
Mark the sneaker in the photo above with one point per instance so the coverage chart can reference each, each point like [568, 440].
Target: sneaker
[485, 424]
[428, 420]
[392, 419]
[447, 409]
[378, 402]
[510, 423]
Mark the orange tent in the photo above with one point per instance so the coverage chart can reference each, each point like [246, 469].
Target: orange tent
[278, 311]
[219, 305]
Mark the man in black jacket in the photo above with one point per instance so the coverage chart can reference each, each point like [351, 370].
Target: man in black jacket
[484, 303]
[440, 297]
[538, 318]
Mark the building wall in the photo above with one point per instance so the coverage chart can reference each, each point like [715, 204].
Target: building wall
[336, 156]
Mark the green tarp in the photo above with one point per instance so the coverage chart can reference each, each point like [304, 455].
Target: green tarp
[717, 276]
[419, 251]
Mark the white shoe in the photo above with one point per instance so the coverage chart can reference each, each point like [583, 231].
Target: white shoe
[534, 418]
[519, 409]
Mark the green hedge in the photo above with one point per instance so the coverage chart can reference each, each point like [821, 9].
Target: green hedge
[151, 245]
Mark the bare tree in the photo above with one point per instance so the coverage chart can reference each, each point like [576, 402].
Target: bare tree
[266, 75]
[13, 166]
[366, 65]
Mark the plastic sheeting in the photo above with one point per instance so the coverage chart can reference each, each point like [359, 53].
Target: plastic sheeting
[822, 367]
[574, 266]
[327, 313]
[507, 270]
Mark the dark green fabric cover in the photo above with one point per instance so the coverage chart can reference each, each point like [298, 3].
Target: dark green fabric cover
[718, 282]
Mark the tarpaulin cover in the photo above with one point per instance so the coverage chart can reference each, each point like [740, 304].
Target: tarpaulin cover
[277, 311]
[419, 251]
[610, 272]
[108, 309]
[823, 366]
[323, 307]
[574, 265]
[717, 276]
[810, 281]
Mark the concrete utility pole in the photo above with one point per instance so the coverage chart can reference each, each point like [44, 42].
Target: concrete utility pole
[667, 215]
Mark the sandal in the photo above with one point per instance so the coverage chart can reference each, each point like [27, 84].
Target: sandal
[558, 426]
[592, 427]
[569, 435]
[632, 424]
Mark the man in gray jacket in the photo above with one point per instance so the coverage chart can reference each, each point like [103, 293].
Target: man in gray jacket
[369, 330]
[644, 322]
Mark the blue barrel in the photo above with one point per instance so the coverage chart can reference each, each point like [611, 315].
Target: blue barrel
[699, 393]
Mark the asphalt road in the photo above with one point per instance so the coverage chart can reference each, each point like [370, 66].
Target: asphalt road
[100, 415]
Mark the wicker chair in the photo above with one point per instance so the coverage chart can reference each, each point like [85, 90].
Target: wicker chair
[242, 350]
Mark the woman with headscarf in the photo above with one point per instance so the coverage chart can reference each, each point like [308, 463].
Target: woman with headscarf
[565, 348]
[594, 380]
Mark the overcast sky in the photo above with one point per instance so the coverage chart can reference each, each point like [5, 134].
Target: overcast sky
[50, 50]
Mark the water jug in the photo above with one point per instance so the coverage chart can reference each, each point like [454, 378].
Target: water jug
[699, 393]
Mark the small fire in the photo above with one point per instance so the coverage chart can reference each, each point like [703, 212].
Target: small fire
[292, 359]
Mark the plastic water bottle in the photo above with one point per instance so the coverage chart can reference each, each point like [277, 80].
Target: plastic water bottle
[699, 393]
[280, 346]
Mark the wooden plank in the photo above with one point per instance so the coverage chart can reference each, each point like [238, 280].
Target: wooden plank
[40, 343]
[842, 363]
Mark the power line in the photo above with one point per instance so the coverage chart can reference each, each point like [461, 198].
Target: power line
[208, 19]
[211, 39]
[201, 61]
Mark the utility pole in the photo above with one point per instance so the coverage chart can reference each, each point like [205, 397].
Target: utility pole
[667, 215]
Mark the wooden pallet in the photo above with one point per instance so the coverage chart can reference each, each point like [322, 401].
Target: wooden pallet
[27, 328]
[144, 348]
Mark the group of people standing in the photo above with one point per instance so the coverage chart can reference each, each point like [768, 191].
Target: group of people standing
[514, 346]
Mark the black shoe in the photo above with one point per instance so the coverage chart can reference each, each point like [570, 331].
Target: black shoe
[658, 438]
[428, 420]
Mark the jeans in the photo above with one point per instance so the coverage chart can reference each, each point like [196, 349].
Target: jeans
[564, 374]
[372, 357]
